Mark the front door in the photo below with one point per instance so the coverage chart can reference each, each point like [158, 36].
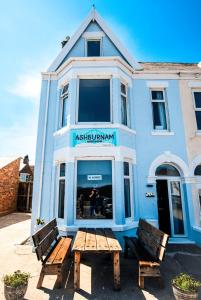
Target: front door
[170, 207]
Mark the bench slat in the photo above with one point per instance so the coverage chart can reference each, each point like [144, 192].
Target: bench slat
[101, 240]
[111, 240]
[147, 241]
[59, 253]
[90, 243]
[46, 243]
[160, 237]
[42, 233]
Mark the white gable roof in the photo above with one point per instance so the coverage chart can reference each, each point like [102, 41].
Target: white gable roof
[93, 16]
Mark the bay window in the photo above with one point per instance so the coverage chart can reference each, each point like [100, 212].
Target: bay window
[62, 172]
[94, 189]
[159, 108]
[94, 100]
[197, 106]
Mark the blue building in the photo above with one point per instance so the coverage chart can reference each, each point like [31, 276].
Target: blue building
[111, 142]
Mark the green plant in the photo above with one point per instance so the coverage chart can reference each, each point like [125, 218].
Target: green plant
[16, 279]
[186, 283]
[39, 221]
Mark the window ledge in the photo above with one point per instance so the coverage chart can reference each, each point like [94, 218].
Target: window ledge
[198, 133]
[197, 228]
[65, 129]
[161, 132]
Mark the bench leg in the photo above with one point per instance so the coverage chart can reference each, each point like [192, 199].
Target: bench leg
[59, 280]
[40, 280]
[141, 280]
[116, 263]
[77, 270]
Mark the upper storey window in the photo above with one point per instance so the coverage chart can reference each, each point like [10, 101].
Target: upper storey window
[94, 100]
[64, 105]
[197, 105]
[159, 107]
[124, 105]
[93, 47]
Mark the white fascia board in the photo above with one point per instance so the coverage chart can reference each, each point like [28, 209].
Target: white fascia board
[93, 16]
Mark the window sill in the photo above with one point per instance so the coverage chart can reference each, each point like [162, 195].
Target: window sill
[198, 133]
[65, 129]
[162, 133]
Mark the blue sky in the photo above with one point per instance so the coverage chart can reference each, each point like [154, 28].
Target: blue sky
[31, 32]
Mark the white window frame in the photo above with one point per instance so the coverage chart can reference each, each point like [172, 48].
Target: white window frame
[199, 201]
[94, 39]
[78, 100]
[125, 95]
[57, 193]
[130, 177]
[97, 222]
[62, 97]
[195, 108]
[163, 90]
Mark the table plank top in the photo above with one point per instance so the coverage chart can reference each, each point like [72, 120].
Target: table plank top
[96, 240]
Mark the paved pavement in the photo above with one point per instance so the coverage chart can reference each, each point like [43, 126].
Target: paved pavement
[96, 271]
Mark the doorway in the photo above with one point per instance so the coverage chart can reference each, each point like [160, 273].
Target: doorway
[170, 201]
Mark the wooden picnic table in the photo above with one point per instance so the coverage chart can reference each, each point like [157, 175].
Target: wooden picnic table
[96, 241]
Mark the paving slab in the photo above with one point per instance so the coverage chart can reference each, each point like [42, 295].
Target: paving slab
[96, 270]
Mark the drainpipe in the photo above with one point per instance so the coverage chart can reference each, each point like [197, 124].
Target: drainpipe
[43, 148]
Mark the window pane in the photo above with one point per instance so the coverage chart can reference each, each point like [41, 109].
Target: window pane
[167, 170]
[94, 100]
[126, 168]
[123, 88]
[198, 119]
[93, 48]
[64, 112]
[197, 96]
[124, 110]
[197, 171]
[62, 169]
[159, 116]
[127, 198]
[177, 208]
[61, 198]
[157, 95]
[94, 189]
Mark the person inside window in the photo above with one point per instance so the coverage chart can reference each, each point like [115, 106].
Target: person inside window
[99, 204]
[92, 198]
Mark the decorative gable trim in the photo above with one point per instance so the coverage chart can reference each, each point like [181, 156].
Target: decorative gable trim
[93, 16]
[93, 35]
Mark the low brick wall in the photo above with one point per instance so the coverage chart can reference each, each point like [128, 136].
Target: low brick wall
[9, 180]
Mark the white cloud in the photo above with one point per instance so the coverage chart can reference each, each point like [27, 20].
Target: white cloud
[20, 139]
[27, 86]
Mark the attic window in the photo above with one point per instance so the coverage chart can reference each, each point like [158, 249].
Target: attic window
[93, 47]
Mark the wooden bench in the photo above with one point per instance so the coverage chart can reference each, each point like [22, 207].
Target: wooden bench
[52, 250]
[149, 249]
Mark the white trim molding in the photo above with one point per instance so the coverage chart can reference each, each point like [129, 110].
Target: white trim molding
[162, 132]
[69, 154]
[167, 157]
[157, 84]
[93, 35]
[195, 162]
[194, 84]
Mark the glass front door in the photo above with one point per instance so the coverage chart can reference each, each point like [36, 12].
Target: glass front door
[170, 207]
[94, 189]
[177, 216]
